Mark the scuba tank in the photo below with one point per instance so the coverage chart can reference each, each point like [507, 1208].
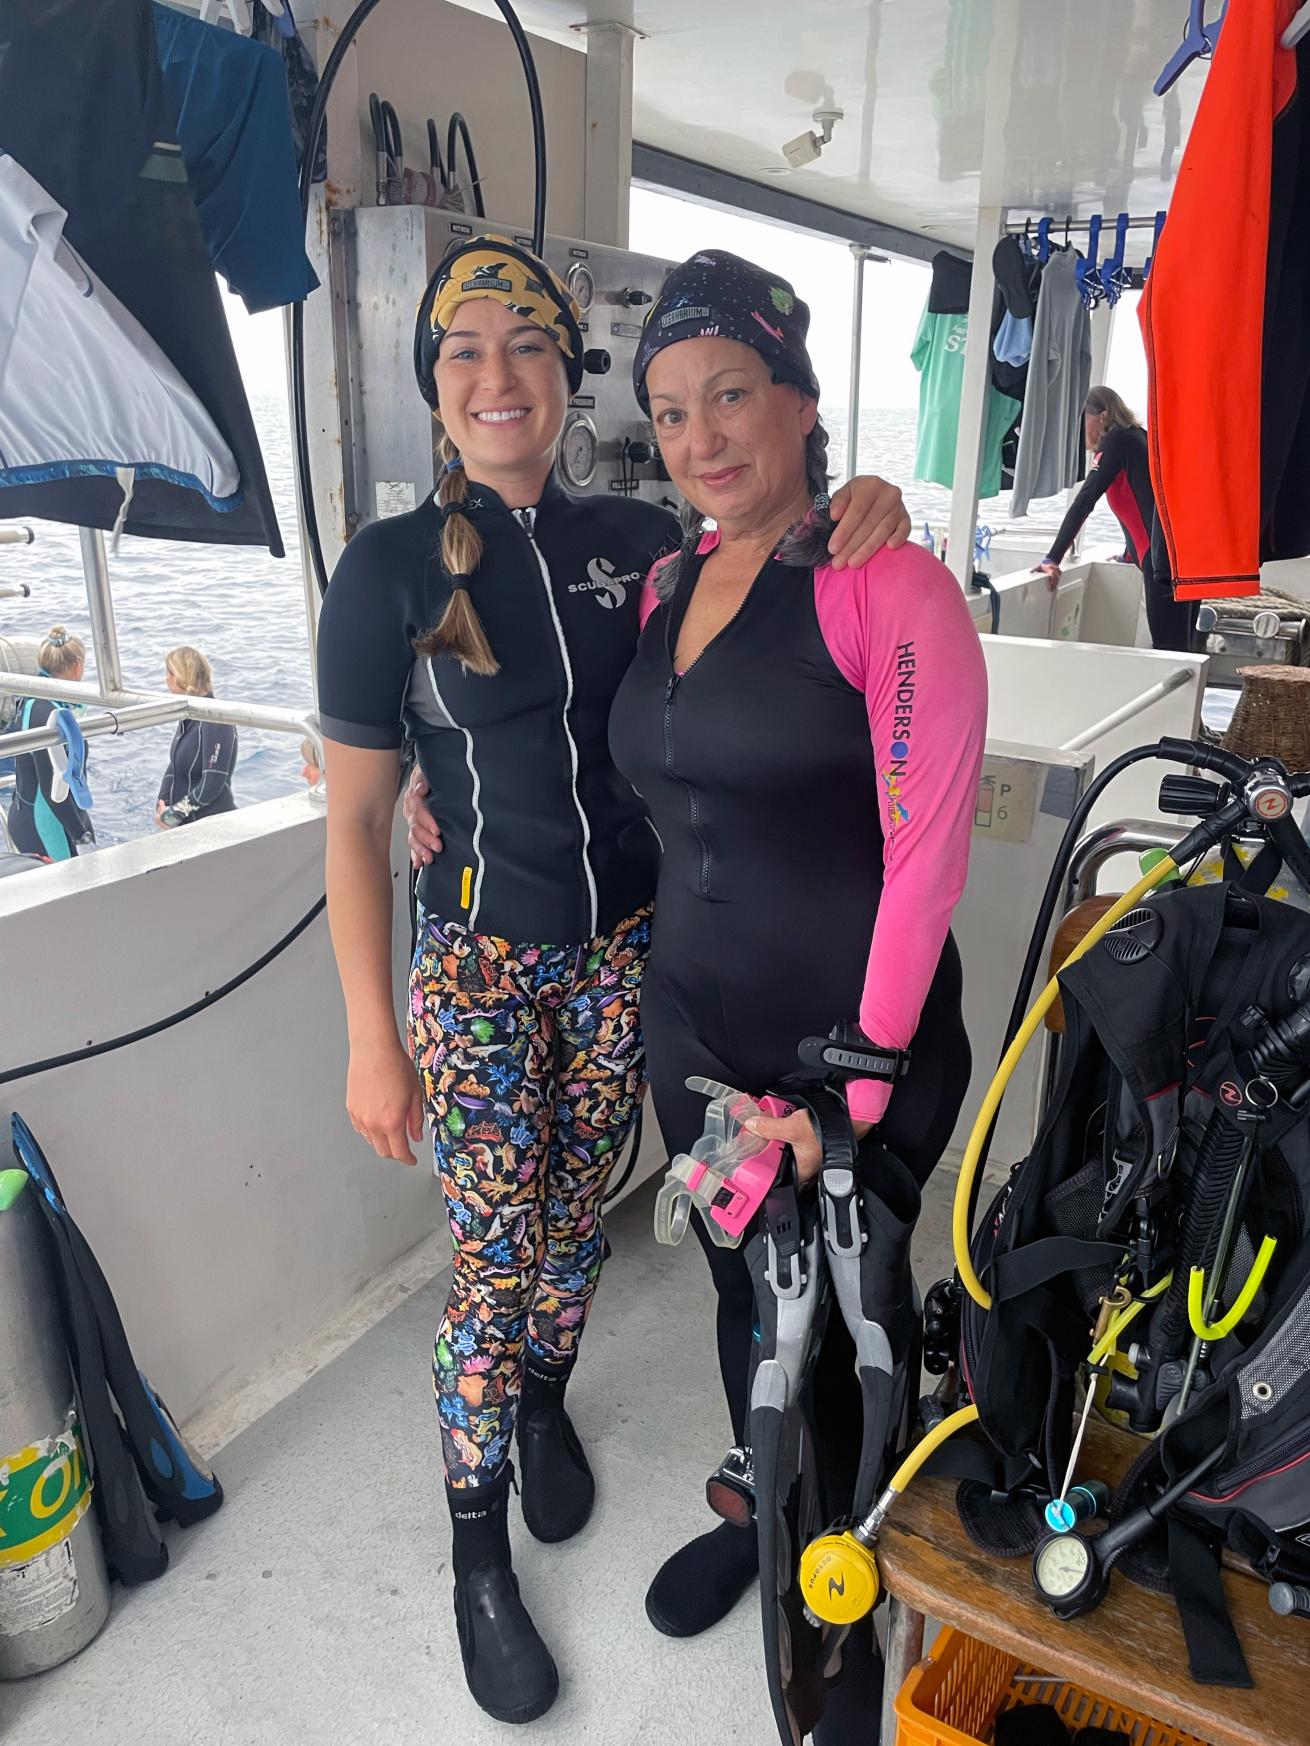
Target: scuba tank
[54, 1588]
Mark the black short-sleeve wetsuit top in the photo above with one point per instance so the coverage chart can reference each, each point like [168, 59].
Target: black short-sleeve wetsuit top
[544, 840]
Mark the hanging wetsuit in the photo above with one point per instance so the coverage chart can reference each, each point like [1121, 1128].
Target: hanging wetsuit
[44, 818]
[938, 356]
[1229, 367]
[813, 777]
[1121, 473]
[198, 780]
[1059, 376]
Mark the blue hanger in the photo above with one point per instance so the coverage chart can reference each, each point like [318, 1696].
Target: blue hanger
[1043, 240]
[1114, 279]
[1198, 43]
[1089, 284]
[1155, 243]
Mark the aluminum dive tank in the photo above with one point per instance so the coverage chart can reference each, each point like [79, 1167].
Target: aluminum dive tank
[54, 1589]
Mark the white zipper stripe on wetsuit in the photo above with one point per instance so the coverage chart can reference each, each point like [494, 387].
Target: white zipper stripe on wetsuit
[526, 518]
[477, 793]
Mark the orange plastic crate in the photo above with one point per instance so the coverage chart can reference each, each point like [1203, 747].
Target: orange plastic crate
[954, 1697]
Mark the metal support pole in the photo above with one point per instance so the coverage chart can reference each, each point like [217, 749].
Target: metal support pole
[860, 254]
[904, 1647]
[99, 600]
[974, 395]
[608, 182]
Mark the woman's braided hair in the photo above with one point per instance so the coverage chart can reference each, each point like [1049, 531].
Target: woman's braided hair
[460, 632]
[804, 546]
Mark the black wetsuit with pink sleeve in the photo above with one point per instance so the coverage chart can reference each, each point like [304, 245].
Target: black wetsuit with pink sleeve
[813, 779]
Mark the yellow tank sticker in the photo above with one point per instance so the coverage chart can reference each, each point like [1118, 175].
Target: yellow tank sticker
[44, 1493]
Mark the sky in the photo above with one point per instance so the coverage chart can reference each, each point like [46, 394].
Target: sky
[823, 274]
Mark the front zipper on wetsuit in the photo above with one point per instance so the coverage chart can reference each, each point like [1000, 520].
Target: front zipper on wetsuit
[693, 805]
[527, 519]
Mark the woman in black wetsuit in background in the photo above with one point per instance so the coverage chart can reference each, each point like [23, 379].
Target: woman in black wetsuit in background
[1121, 473]
[198, 780]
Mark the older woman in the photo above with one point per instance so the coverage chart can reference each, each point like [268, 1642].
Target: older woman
[808, 743]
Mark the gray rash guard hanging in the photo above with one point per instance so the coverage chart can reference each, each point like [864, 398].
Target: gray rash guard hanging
[1059, 376]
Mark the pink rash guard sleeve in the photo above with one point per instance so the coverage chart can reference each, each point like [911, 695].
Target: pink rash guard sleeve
[899, 630]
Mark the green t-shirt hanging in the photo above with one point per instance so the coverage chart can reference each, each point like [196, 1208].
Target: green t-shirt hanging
[938, 356]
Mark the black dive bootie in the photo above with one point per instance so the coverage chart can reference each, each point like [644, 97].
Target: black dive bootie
[558, 1488]
[703, 1581]
[508, 1668]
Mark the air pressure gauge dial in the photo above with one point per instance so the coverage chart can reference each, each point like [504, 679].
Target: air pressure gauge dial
[1066, 1574]
[579, 451]
[583, 286]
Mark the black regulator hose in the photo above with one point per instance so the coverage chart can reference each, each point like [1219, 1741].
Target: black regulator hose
[457, 131]
[313, 134]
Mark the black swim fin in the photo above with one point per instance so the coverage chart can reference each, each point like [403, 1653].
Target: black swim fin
[176, 1480]
[134, 1548]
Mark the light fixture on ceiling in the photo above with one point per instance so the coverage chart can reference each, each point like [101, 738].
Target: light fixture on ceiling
[806, 147]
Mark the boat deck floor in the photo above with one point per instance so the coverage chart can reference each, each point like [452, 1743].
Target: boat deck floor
[315, 1606]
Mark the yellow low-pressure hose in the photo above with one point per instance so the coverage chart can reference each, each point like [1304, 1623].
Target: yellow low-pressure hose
[995, 1091]
[929, 1444]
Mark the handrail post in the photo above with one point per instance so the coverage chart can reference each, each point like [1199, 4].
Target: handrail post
[100, 603]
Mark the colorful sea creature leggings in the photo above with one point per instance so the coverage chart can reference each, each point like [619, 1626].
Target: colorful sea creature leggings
[533, 1066]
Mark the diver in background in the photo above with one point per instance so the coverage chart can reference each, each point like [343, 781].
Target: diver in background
[198, 780]
[1121, 473]
[44, 817]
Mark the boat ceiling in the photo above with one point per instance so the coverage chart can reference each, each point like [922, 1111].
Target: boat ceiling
[1038, 105]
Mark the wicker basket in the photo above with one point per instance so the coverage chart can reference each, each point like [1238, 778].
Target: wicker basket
[1272, 718]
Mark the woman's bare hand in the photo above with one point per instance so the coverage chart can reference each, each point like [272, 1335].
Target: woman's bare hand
[870, 513]
[424, 832]
[797, 1131]
[384, 1099]
[1051, 573]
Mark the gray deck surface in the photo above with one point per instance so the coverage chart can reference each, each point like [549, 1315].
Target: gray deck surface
[314, 1609]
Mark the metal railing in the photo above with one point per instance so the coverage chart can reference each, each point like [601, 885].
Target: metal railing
[124, 709]
[15, 536]
[1128, 836]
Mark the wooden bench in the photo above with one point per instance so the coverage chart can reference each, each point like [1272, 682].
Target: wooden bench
[1131, 1648]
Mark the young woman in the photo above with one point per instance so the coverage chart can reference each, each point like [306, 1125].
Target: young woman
[44, 817]
[809, 744]
[1121, 473]
[477, 625]
[198, 780]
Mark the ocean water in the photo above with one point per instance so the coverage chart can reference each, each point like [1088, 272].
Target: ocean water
[245, 610]
[241, 607]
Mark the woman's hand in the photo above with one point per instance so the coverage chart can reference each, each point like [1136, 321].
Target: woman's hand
[870, 513]
[1051, 573]
[424, 832]
[384, 1099]
[159, 814]
[797, 1131]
